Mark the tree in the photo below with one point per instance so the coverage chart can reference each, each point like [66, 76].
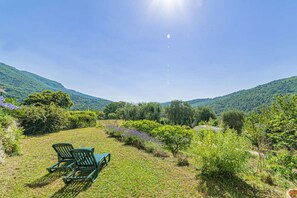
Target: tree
[203, 114]
[255, 127]
[130, 112]
[175, 138]
[112, 108]
[282, 125]
[150, 111]
[233, 119]
[180, 113]
[58, 98]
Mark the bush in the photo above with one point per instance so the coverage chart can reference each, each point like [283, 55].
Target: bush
[43, 119]
[183, 160]
[115, 131]
[81, 119]
[221, 153]
[100, 114]
[6, 120]
[146, 126]
[160, 153]
[10, 135]
[283, 163]
[133, 141]
[134, 138]
[175, 138]
[151, 147]
[233, 120]
[267, 178]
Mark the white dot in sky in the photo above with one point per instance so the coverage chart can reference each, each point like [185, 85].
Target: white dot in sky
[168, 36]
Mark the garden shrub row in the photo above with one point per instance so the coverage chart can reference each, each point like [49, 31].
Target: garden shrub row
[51, 118]
[140, 140]
[174, 138]
[81, 119]
[146, 126]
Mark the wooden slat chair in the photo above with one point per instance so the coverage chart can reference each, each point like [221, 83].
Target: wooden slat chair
[64, 156]
[87, 164]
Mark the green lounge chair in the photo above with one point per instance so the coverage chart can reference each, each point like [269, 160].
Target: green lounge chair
[64, 156]
[87, 164]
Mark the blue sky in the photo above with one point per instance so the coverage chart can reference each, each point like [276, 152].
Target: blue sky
[151, 50]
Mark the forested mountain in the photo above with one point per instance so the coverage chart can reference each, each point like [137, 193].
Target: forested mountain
[20, 84]
[250, 99]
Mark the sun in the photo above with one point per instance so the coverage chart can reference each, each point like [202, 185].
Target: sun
[168, 7]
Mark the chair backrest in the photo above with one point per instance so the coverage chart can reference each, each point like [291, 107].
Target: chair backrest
[63, 150]
[84, 157]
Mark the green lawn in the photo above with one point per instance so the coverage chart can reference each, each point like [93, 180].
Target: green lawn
[131, 172]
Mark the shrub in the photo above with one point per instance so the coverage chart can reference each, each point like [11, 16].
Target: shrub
[160, 153]
[146, 126]
[10, 135]
[233, 120]
[134, 138]
[6, 120]
[56, 119]
[266, 178]
[133, 141]
[43, 119]
[151, 147]
[283, 163]
[221, 153]
[115, 131]
[100, 114]
[175, 138]
[183, 160]
[213, 122]
[81, 119]
[143, 136]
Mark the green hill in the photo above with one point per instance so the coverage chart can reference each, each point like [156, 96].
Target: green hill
[20, 84]
[250, 99]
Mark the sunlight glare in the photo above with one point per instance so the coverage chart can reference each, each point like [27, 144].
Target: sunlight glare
[169, 7]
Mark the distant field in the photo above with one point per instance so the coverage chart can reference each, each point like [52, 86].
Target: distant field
[131, 173]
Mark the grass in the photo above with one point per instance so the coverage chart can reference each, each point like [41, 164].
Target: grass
[131, 172]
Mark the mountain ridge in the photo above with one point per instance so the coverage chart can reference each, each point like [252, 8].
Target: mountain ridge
[250, 99]
[19, 84]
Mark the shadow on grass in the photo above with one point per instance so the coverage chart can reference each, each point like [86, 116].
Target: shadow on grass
[212, 186]
[73, 189]
[47, 179]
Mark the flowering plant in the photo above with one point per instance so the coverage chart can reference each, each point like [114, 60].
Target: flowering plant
[7, 105]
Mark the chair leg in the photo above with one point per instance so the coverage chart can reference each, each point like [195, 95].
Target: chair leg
[53, 167]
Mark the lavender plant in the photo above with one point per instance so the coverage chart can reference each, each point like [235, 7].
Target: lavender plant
[133, 137]
[141, 135]
[7, 105]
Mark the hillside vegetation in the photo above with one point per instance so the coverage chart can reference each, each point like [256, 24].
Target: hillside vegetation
[20, 84]
[250, 99]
